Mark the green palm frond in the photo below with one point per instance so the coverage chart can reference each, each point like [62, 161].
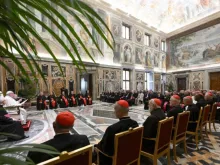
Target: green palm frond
[17, 32]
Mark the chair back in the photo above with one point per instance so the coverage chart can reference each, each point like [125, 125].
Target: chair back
[205, 115]
[199, 119]
[213, 112]
[128, 147]
[82, 156]
[181, 125]
[164, 133]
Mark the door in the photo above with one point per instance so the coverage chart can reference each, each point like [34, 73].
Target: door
[86, 84]
[181, 83]
[215, 81]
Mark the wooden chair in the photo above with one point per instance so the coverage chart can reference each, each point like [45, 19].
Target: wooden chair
[127, 147]
[204, 120]
[196, 132]
[212, 117]
[162, 141]
[180, 132]
[82, 156]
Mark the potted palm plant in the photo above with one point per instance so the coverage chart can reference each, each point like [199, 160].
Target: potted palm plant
[18, 35]
[28, 91]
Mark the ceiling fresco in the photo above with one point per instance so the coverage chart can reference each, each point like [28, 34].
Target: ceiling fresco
[167, 15]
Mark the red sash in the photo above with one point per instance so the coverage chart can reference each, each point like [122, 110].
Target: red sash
[73, 100]
[165, 106]
[45, 103]
[40, 101]
[53, 102]
[65, 100]
[90, 100]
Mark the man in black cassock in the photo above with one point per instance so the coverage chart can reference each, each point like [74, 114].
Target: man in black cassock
[151, 125]
[52, 101]
[194, 112]
[88, 98]
[63, 89]
[80, 99]
[72, 99]
[63, 100]
[175, 107]
[200, 101]
[106, 145]
[41, 101]
[63, 140]
[209, 99]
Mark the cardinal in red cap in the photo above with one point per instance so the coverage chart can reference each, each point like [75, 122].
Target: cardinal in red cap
[154, 104]
[175, 107]
[151, 124]
[209, 99]
[63, 140]
[65, 119]
[106, 145]
[121, 108]
[194, 112]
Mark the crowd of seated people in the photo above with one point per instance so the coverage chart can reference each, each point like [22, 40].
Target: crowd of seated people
[64, 100]
[132, 97]
[177, 102]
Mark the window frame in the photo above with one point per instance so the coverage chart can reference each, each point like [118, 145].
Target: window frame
[126, 80]
[127, 35]
[146, 35]
[163, 45]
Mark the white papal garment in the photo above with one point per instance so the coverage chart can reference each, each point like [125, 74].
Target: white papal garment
[10, 103]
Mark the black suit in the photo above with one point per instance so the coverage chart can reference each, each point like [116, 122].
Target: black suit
[174, 111]
[194, 116]
[62, 142]
[150, 129]
[201, 103]
[210, 102]
[107, 143]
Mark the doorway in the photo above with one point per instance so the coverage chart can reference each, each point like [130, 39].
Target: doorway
[215, 81]
[181, 84]
[86, 83]
[11, 85]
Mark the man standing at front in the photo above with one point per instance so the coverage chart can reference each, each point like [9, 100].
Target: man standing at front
[106, 145]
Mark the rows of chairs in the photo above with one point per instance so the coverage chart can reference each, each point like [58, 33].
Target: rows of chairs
[128, 144]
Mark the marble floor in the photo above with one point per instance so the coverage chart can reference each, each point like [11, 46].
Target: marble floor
[93, 121]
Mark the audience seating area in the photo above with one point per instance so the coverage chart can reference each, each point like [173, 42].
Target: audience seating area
[127, 149]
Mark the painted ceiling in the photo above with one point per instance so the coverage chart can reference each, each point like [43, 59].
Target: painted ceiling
[167, 15]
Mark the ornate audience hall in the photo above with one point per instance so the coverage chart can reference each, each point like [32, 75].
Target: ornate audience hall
[166, 55]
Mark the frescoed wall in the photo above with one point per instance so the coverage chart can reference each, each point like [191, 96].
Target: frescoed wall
[195, 50]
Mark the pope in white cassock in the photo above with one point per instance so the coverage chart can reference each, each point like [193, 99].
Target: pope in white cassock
[12, 105]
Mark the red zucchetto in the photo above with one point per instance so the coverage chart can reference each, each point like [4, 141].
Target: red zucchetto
[65, 119]
[123, 103]
[176, 97]
[157, 102]
[209, 94]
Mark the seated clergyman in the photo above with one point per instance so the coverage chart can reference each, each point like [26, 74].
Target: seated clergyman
[151, 124]
[194, 112]
[63, 140]
[106, 145]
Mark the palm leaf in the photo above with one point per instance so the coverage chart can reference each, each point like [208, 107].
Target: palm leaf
[21, 31]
